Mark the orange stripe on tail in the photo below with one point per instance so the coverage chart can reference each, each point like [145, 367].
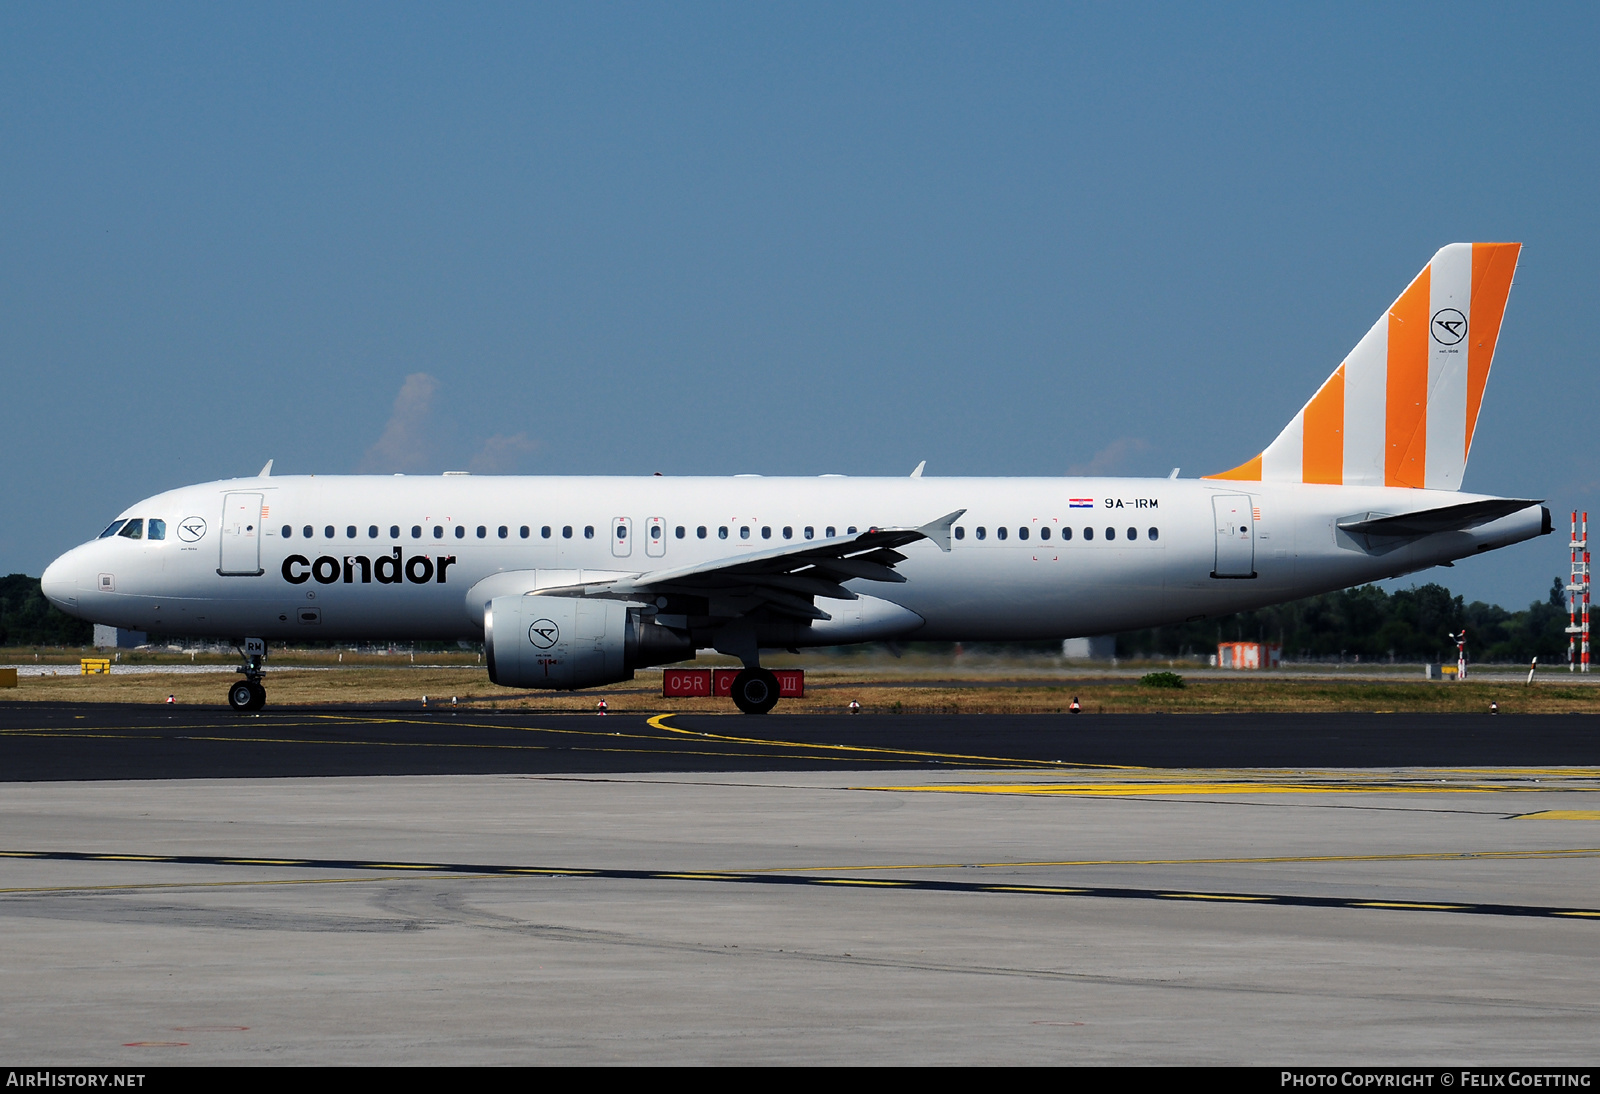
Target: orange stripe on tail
[1493, 266]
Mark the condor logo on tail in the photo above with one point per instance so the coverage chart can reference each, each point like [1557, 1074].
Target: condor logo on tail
[387, 569]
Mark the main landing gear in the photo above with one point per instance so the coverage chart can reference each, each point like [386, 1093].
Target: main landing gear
[755, 691]
[248, 694]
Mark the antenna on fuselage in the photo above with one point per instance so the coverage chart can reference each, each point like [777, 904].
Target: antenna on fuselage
[265, 472]
[1174, 474]
[916, 472]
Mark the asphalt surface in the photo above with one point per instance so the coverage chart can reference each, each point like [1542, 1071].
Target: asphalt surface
[53, 742]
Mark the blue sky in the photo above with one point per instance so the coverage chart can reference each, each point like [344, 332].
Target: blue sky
[787, 239]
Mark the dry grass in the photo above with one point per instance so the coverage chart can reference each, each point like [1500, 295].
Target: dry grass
[829, 692]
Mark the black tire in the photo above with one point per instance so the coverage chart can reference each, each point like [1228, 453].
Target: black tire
[242, 696]
[755, 691]
[259, 695]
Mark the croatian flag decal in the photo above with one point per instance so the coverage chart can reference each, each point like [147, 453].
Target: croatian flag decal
[1081, 503]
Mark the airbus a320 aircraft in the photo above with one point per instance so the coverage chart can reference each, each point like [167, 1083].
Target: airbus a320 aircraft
[578, 582]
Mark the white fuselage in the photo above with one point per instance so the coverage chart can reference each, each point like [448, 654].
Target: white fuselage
[212, 576]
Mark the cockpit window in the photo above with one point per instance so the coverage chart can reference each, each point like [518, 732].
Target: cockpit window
[157, 529]
[134, 529]
[111, 529]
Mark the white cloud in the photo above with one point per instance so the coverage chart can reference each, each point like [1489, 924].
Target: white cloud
[407, 442]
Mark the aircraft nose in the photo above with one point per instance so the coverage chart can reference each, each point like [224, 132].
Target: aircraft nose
[60, 585]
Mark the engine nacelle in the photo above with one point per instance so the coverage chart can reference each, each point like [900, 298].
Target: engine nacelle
[569, 642]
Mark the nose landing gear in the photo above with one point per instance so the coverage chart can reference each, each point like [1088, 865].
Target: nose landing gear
[248, 694]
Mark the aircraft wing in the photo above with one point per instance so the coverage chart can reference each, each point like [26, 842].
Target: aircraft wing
[784, 579]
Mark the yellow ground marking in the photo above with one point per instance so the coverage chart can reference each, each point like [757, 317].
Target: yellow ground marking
[659, 721]
[1419, 856]
[221, 884]
[1592, 915]
[858, 881]
[699, 877]
[133, 858]
[547, 870]
[1211, 896]
[1561, 814]
[1116, 789]
[1030, 889]
[264, 861]
[1406, 904]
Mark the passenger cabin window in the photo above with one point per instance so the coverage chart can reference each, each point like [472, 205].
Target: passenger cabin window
[372, 531]
[134, 529]
[700, 532]
[350, 531]
[655, 531]
[308, 531]
[982, 532]
[1066, 533]
[288, 532]
[523, 531]
[461, 531]
[504, 532]
[1088, 533]
[722, 532]
[1022, 533]
[1133, 533]
[1155, 534]
[828, 532]
[850, 531]
[1111, 533]
[394, 531]
[438, 531]
[622, 531]
[766, 532]
[1044, 533]
[744, 532]
[416, 531]
[588, 531]
[482, 531]
[111, 529]
[566, 531]
[680, 530]
[1000, 532]
[810, 532]
[157, 529]
[327, 531]
[961, 533]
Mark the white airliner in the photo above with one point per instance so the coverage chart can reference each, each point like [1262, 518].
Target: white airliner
[577, 582]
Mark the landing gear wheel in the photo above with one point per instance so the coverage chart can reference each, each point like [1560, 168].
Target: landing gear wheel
[755, 691]
[242, 696]
[259, 695]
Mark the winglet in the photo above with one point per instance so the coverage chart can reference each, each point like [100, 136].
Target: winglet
[917, 472]
[939, 530]
[266, 472]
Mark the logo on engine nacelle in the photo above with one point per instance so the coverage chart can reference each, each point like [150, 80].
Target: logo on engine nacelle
[543, 633]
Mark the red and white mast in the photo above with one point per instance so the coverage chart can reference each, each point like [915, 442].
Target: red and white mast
[1578, 598]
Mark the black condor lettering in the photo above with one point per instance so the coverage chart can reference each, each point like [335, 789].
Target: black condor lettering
[391, 569]
[388, 568]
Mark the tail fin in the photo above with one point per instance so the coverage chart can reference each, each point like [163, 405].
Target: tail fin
[1401, 409]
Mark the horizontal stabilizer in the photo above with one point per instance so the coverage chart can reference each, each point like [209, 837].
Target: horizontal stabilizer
[1449, 518]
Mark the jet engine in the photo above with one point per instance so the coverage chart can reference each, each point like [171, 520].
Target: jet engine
[569, 642]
